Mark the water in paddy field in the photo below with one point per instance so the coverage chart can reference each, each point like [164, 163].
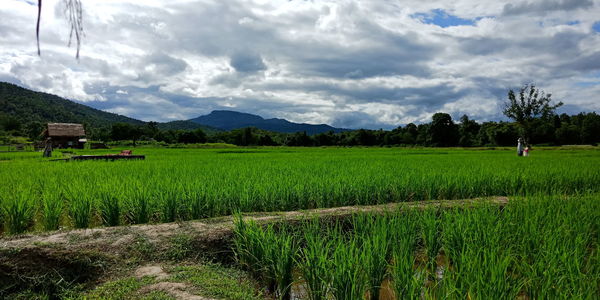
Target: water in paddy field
[299, 288]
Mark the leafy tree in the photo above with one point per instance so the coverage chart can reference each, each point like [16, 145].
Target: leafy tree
[11, 123]
[467, 130]
[443, 132]
[125, 131]
[529, 104]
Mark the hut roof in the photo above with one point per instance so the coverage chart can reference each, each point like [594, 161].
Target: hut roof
[65, 129]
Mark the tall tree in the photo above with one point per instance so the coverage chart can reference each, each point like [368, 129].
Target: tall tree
[443, 132]
[531, 103]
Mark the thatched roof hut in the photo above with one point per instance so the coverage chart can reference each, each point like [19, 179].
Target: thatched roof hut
[64, 130]
[65, 135]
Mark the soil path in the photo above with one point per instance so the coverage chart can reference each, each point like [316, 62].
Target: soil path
[207, 232]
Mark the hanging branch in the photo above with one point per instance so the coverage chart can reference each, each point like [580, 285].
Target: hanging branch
[74, 14]
[37, 28]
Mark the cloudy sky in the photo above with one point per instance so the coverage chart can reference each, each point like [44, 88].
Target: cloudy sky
[371, 64]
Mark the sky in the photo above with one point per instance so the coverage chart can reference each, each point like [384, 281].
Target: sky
[352, 64]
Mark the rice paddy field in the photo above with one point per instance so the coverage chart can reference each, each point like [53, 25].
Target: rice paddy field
[540, 247]
[542, 244]
[39, 194]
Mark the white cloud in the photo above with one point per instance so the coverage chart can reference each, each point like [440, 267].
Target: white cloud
[349, 63]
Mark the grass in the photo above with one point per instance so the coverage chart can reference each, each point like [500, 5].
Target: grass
[541, 247]
[182, 184]
[217, 281]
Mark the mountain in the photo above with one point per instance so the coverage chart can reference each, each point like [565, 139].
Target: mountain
[228, 120]
[30, 106]
[187, 125]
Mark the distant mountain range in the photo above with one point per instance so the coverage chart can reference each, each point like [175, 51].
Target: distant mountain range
[228, 120]
[31, 106]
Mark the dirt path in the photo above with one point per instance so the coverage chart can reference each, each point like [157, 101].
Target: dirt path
[209, 231]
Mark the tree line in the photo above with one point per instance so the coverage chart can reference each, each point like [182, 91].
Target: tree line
[442, 131]
[532, 112]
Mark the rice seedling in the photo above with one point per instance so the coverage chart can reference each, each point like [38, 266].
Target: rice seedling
[182, 184]
[81, 210]
[486, 249]
[138, 207]
[52, 209]
[430, 231]
[313, 262]
[18, 210]
[110, 209]
[375, 239]
[268, 255]
[348, 280]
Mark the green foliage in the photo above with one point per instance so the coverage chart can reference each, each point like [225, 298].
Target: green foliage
[530, 105]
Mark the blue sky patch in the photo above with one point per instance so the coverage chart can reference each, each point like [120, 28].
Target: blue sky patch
[596, 26]
[441, 18]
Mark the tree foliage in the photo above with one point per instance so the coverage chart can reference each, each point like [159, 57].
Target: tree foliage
[529, 105]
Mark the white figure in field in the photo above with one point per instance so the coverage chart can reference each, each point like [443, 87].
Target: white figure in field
[520, 147]
[526, 151]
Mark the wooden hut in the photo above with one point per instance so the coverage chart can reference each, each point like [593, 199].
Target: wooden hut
[65, 135]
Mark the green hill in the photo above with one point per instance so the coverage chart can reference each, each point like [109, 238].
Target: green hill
[29, 106]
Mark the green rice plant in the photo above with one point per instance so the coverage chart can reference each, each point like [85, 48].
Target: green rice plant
[313, 261]
[348, 279]
[268, 255]
[110, 209]
[138, 207]
[18, 210]
[248, 248]
[407, 282]
[281, 254]
[375, 240]
[52, 209]
[181, 184]
[81, 210]
[431, 235]
[168, 200]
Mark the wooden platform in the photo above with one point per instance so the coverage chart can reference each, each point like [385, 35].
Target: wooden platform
[107, 157]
